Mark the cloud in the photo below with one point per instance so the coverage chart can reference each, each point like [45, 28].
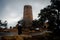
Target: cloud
[12, 10]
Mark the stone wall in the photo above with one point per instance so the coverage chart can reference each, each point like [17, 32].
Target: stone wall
[27, 16]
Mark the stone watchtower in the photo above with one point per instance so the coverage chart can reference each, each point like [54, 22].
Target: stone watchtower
[27, 16]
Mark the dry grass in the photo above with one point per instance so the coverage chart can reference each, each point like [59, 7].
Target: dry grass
[12, 37]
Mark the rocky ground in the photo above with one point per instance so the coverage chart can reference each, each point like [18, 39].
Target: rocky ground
[30, 36]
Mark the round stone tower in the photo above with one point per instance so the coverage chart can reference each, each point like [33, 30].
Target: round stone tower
[27, 16]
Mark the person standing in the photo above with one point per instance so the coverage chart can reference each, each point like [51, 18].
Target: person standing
[19, 28]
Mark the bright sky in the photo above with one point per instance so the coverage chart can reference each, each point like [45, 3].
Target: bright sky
[12, 10]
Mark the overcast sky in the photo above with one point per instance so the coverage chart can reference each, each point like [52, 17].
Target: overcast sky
[12, 10]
